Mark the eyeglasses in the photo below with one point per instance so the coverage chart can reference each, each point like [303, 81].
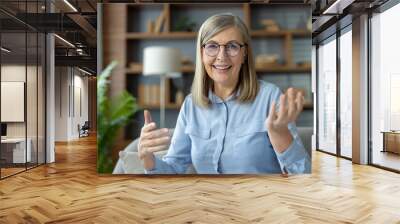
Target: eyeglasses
[231, 48]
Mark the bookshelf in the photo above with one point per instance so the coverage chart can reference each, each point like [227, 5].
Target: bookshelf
[164, 35]
[270, 69]
[139, 32]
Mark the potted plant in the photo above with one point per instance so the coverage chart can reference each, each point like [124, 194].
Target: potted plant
[112, 115]
[184, 24]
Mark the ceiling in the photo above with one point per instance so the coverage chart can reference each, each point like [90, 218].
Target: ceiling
[79, 27]
[40, 5]
[76, 24]
[19, 53]
[211, 1]
[329, 15]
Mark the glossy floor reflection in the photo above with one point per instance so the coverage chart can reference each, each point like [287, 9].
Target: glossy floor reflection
[70, 191]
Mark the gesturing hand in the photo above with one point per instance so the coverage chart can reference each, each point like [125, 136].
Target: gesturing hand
[291, 104]
[152, 139]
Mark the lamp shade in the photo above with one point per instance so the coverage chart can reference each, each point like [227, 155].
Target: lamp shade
[161, 61]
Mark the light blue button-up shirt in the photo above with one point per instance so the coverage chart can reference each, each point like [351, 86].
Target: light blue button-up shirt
[230, 138]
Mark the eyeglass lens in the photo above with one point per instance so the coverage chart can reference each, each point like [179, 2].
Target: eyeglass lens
[212, 49]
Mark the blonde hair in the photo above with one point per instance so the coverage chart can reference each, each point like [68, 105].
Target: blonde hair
[247, 83]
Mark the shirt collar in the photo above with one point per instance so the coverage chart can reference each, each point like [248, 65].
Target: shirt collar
[216, 99]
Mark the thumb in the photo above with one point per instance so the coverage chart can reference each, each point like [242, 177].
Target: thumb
[147, 117]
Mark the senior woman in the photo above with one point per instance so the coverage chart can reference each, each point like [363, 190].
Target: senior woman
[231, 123]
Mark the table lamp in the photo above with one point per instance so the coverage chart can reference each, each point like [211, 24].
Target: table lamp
[164, 62]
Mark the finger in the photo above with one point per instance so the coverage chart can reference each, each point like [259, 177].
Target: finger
[272, 111]
[291, 102]
[149, 127]
[282, 107]
[147, 117]
[299, 102]
[157, 148]
[156, 142]
[289, 93]
[156, 133]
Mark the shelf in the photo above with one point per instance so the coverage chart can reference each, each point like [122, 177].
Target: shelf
[138, 70]
[267, 69]
[281, 33]
[285, 69]
[161, 35]
[307, 106]
[157, 106]
[192, 35]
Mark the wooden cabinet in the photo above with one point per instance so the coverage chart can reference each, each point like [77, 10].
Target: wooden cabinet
[391, 142]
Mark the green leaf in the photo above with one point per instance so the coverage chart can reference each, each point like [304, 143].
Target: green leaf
[112, 115]
[124, 106]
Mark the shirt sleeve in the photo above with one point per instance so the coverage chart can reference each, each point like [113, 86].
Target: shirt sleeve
[178, 157]
[295, 159]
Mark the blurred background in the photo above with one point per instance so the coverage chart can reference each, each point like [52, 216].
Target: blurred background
[281, 39]
[48, 78]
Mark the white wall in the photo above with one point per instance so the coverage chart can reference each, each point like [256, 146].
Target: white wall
[80, 100]
[61, 103]
[71, 93]
[16, 73]
[33, 126]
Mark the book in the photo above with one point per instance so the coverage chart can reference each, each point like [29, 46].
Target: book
[159, 22]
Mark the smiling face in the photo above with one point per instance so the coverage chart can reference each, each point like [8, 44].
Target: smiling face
[223, 68]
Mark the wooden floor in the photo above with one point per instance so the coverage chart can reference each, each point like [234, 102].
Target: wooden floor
[70, 191]
[10, 171]
[388, 159]
[5, 172]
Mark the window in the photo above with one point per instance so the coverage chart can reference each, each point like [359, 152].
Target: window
[346, 92]
[22, 101]
[327, 95]
[385, 89]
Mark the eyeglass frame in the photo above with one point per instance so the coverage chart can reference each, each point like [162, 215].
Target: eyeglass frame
[219, 48]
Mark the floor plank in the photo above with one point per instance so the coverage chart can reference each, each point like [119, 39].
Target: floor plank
[70, 191]
[387, 159]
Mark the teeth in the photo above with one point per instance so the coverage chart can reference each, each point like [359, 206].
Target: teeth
[221, 66]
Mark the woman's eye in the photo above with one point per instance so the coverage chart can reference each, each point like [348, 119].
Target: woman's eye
[212, 46]
[233, 46]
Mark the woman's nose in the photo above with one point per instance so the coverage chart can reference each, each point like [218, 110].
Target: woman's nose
[222, 53]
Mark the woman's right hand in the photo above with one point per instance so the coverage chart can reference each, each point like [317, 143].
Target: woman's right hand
[151, 140]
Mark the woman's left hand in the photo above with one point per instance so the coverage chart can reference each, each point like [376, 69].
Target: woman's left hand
[291, 104]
